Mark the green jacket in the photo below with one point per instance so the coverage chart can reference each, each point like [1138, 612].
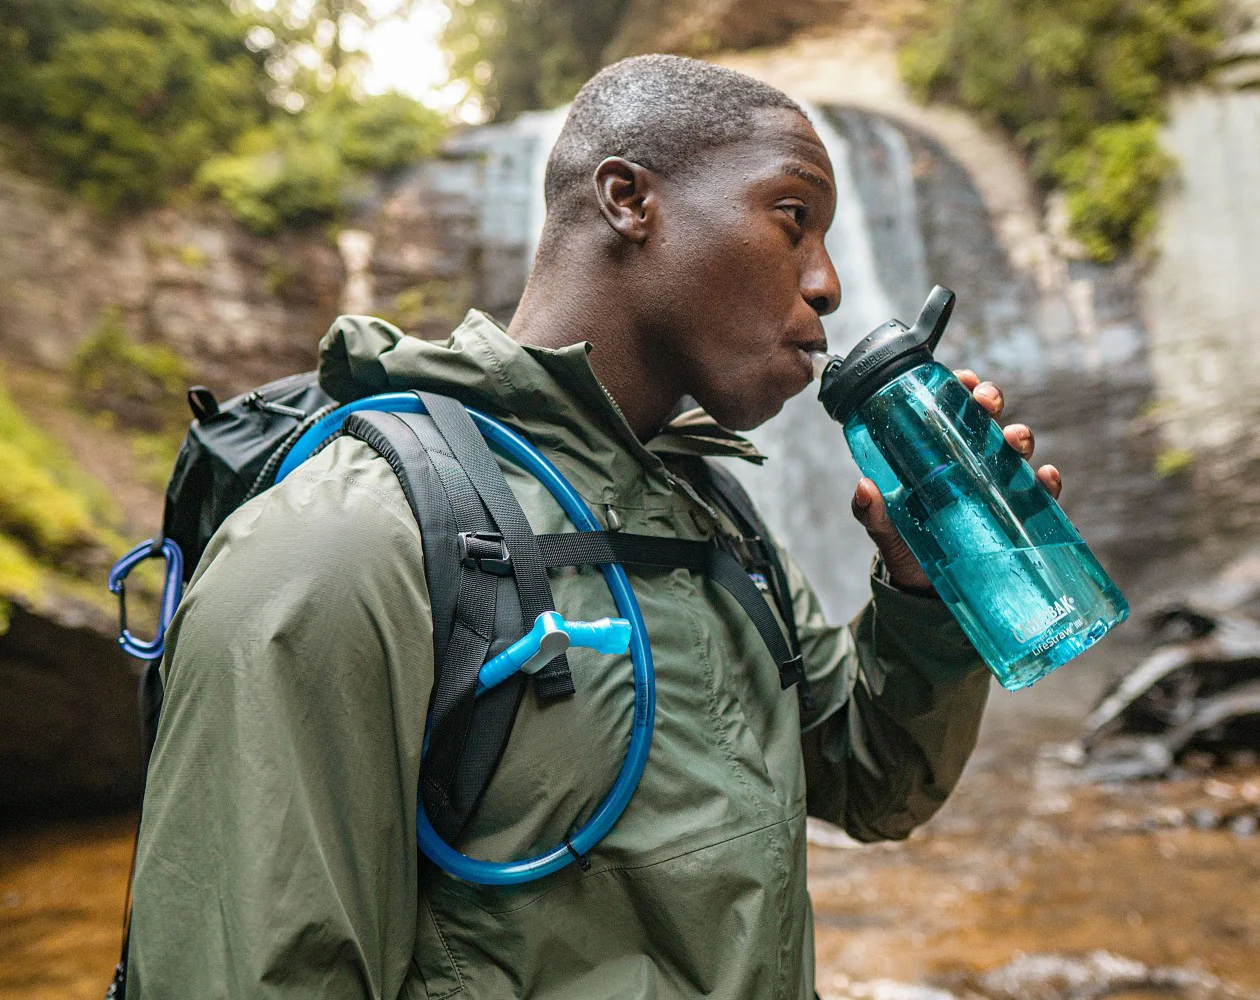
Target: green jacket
[277, 856]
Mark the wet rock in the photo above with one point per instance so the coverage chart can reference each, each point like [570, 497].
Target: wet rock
[1244, 825]
[1205, 819]
[69, 722]
[1195, 701]
[821, 834]
[1100, 974]
[881, 989]
[239, 309]
[1051, 977]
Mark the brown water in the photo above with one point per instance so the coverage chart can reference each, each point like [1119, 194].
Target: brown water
[1017, 866]
[61, 902]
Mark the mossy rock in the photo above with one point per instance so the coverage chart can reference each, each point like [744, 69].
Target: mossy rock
[140, 385]
[1080, 85]
[58, 525]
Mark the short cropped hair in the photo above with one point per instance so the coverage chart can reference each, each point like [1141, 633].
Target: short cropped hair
[656, 110]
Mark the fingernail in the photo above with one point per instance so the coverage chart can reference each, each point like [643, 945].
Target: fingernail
[989, 391]
[861, 499]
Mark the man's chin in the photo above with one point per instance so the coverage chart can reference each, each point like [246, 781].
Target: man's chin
[746, 418]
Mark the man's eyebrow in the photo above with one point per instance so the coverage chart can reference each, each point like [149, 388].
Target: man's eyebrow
[814, 178]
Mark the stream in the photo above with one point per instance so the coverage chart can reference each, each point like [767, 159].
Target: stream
[1021, 888]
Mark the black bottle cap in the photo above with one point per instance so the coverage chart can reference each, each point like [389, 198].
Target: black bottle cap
[882, 355]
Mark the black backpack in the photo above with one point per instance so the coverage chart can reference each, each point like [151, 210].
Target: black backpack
[485, 568]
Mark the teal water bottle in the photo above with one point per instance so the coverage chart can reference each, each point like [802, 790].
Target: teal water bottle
[997, 547]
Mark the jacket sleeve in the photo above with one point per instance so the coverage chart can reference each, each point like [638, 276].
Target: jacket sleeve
[900, 693]
[277, 853]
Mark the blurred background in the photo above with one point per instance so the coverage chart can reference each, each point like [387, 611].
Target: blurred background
[191, 190]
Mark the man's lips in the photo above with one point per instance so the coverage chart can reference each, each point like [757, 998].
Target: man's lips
[803, 352]
[818, 346]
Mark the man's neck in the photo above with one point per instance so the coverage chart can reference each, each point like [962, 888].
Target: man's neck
[555, 312]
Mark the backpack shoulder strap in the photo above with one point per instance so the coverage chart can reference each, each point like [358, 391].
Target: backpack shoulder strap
[735, 502]
[468, 446]
[476, 609]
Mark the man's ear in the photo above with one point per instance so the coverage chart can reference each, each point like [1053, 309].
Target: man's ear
[627, 196]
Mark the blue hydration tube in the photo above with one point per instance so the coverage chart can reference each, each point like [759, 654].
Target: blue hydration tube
[517, 448]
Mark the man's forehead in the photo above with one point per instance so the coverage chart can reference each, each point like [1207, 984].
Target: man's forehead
[787, 136]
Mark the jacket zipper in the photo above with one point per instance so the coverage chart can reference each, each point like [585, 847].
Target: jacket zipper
[259, 402]
[690, 490]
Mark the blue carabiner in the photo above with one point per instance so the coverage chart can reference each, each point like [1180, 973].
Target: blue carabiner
[172, 591]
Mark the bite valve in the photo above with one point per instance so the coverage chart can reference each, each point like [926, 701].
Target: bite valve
[551, 636]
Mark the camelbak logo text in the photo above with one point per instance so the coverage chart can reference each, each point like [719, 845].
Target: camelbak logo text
[1043, 619]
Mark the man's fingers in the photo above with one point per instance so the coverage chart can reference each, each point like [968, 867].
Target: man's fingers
[1051, 480]
[904, 570]
[864, 497]
[870, 510]
[1020, 437]
[967, 377]
[988, 395]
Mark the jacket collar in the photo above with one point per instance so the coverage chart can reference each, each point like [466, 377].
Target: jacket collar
[553, 396]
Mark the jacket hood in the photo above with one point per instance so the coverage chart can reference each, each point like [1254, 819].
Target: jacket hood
[539, 390]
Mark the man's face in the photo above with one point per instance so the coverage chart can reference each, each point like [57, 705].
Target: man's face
[742, 276]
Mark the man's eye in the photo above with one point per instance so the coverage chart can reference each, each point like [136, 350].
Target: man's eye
[797, 212]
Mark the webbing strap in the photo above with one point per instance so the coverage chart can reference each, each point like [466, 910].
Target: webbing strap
[583, 547]
[464, 605]
[467, 444]
[577, 548]
[730, 494]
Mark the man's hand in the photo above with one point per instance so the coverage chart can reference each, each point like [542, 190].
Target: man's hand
[904, 570]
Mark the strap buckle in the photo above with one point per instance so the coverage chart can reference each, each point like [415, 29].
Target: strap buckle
[486, 551]
[791, 672]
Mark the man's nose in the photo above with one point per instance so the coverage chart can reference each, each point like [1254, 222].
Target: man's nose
[820, 285]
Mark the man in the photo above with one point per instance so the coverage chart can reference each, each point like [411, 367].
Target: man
[682, 256]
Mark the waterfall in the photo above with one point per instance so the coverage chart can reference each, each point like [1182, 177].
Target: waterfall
[546, 126]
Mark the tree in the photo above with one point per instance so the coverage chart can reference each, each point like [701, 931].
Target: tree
[517, 55]
[311, 46]
[301, 169]
[124, 99]
[127, 101]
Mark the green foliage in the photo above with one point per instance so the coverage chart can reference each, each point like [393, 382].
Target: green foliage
[123, 99]
[1080, 84]
[302, 169]
[125, 102]
[139, 384]
[1109, 181]
[19, 576]
[517, 55]
[276, 178]
[54, 519]
[382, 133]
[35, 446]
[36, 510]
[1173, 462]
